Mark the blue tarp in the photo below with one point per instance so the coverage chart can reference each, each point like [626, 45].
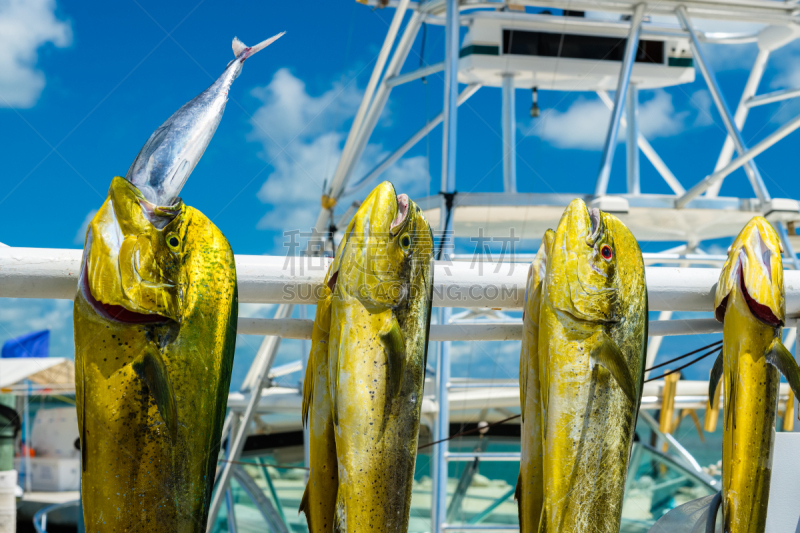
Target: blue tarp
[36, 344]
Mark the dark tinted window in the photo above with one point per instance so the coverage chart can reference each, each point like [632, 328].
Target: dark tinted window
[532, 43]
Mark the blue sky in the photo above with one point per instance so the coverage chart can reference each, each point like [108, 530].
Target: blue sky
[83, 84]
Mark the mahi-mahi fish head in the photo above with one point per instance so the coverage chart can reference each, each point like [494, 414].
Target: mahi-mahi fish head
[594, 266]
[132, 257]
[385, 241]
[754, 266]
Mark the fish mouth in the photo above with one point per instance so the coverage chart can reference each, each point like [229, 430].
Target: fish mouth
[116, 313]
[594, 218]
[402, 214]
[762, 312]
[332, 281]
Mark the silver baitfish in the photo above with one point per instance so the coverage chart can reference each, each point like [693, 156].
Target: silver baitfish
[173, 150]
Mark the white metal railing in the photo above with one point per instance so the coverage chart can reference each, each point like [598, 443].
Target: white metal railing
[53, 273]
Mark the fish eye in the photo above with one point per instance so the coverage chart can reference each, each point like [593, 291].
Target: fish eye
[606, 252]
[173, 241]
[405, 241]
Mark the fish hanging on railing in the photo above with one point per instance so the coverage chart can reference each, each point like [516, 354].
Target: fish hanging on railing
[750, 304]
[155, 329]
[530, 484]
[592, 343]
[381, 284]
[319, 499]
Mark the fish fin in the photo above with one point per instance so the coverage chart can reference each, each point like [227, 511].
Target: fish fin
[518, 497]
[340, 517]
[523, 384]
[716, 375]
[782, 359]
[242, 50]
[606, 353]
[395, 346]
[238, 47]
[543, 522]
[80, 396]
[308, 386]
[151, 369]
[304, 506]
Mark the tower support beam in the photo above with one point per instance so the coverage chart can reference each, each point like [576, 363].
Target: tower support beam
[619, 100]
[509, 135]
[713, 87]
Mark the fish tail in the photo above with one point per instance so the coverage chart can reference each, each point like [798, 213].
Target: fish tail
[340, 517]
[242, 51]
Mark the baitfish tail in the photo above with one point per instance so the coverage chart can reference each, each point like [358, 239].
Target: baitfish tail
[242, 51]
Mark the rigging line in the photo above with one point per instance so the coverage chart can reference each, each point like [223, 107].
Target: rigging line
[448, 205]
[683, 356]
[684, 366]
[475, 430]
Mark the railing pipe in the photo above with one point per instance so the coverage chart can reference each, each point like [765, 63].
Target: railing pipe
[629, 57]
[775, 96]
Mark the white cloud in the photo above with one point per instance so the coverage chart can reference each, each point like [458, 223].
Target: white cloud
[25, 26]
[303, 137]
[584, 125]
[80, 236]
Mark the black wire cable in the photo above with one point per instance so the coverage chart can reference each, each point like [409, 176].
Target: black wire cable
[475, 430]
[690, 363]
[716, 349]
[684, 356]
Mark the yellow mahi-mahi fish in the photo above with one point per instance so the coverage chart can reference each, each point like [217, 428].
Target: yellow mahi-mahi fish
[155, 330]
[530, 487]
[592, 340]
[381, 286]
[750, 303]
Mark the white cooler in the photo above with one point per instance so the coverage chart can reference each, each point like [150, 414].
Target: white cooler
[8, 501]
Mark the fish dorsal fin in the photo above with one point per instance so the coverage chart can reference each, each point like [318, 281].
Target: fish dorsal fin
[605, 352]
[713, 379]
[781, 358]
[395, 345]
[318, 354]
[238, 47]
[151, 369]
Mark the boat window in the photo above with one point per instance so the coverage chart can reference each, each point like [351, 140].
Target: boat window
[534, 43]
